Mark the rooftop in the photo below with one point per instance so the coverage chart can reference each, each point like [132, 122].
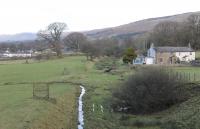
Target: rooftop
[173, 49]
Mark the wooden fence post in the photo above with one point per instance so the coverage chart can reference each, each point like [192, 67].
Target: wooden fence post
[184, 75]
[47, 91]
[189, 77]
[33, 90]
[176, 75]
[180, 76]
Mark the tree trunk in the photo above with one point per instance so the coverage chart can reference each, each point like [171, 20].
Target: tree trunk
[59, 53]
[87, 56]
[58, 50]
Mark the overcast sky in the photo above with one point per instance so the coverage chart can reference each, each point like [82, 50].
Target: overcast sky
[31, 15]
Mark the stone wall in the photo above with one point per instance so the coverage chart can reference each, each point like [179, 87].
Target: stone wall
[165, 58]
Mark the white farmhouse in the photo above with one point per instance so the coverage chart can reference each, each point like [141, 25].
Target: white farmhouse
[171, 55]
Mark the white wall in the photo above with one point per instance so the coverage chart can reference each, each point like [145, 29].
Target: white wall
[151, 52]
[189, 56]
[149, 60]
[16, 55]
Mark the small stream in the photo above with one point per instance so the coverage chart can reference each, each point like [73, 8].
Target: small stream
[80, 109]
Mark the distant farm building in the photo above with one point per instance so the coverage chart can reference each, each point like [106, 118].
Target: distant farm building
[143, 60]
[8, 54]
[139, 60]
[171, 55]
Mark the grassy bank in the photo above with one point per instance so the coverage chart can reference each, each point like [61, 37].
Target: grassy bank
[99, 88]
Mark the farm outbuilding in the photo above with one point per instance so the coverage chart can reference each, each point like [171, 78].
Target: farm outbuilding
[140, 59]
[149, 60]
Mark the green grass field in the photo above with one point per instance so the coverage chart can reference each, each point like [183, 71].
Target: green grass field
[18, 110]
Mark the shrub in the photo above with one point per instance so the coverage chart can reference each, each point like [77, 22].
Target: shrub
[149, 90]
[106, 63]
[129, 55]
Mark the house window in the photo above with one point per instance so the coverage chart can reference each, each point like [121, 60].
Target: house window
[190, 53]
[160, 60]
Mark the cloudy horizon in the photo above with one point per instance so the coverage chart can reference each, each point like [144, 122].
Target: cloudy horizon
[32, 15]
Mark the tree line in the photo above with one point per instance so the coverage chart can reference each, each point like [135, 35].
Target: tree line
[78, 42]
[14, 47]
[169, 33]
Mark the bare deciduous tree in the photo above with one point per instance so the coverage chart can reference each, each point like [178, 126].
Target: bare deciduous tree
[90, 49]
[52, 34]
[169, 33]
[75, 40]
[165, 33]
[193, 29]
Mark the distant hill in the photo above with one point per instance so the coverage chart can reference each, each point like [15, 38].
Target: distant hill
[18, 37]
[136, 28]
[133, 29]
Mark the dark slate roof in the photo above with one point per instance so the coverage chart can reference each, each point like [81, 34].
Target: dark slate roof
[174, 49]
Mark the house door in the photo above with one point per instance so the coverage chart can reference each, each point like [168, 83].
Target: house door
[170, 60]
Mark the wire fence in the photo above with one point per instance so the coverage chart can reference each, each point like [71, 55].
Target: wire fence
[41, 90]
[185, 76]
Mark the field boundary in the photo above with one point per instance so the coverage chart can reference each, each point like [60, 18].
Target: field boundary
[48, 82]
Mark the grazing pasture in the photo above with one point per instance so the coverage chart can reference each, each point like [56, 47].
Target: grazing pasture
[17, 107]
